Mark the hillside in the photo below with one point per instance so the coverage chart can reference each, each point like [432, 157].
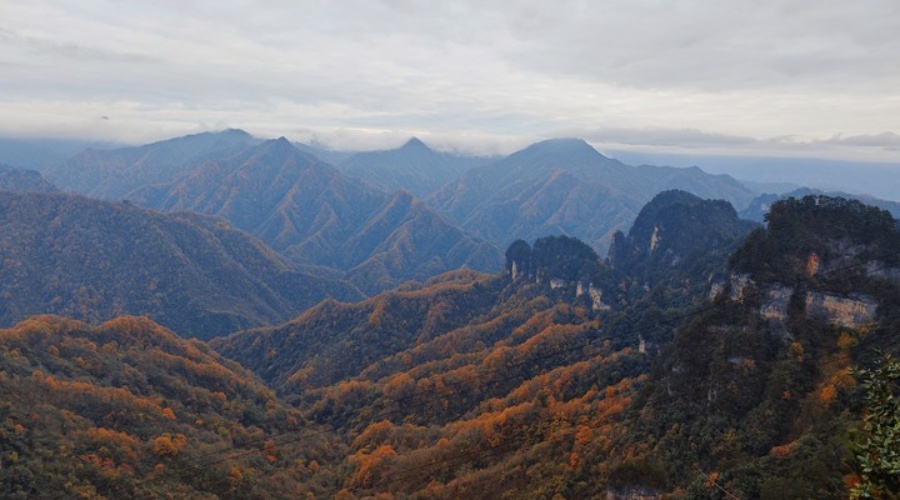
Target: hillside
[92, 260]
[127, 409]
[467, 384]
[448, 389]
[567, 377]
[564, 186]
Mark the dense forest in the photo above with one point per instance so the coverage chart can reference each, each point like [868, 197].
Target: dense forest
[127, 409]
[705, 357]
[93, 260]
[576, 379]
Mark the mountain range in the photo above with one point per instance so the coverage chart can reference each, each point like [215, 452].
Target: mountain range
[705, 357]
[783, 174]
[564, 186]
[318, 217]
[347, 220]
[561, 186]
[326, 222]
[221, 316]
[114, 173]
[43, 153]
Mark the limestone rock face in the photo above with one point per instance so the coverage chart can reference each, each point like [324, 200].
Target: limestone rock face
[848, 310]
[736, 283]
[597, 303]
[851, 311]
[775, 303]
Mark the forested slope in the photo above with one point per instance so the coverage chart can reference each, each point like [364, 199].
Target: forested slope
[569, 377]
[127, 409]
[759, 375]
[94, 260]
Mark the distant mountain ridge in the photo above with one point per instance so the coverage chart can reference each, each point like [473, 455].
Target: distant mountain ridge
[564, 186]
[94, 260]
[414, 167]
[759, 207]
[114, 173]
[41, 154]
[316, 216]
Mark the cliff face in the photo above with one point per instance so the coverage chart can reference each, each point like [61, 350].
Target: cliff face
[853, 310]
[823, 258]
[821, 239]
[569, 267]
[848, 311]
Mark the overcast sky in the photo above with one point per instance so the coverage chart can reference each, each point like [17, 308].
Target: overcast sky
[797, 77]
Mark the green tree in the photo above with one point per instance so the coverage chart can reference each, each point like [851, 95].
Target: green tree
[877, 449]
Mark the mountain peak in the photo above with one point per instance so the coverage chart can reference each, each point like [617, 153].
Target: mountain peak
[546, 156]
[674, 225]
[415, 144]
[280, 145]
[275, 152]
[236, 133]
[570, 149]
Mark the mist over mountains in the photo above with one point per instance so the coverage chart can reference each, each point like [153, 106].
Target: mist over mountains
[564, 186]
[783, 174]
[380, 218]
[414, 167]
[115, 173]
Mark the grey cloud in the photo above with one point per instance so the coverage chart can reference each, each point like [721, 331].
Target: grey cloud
[71, 50]
[687, 138]
[717, 45]
[693, 73]
[887, 140]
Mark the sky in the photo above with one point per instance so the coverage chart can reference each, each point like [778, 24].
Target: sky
[770, 77]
